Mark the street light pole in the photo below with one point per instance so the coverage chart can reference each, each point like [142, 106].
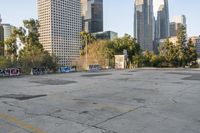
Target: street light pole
[86, 55]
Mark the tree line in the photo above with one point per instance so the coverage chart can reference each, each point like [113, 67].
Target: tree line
[181, 54]
[102, 52]
[33, 53]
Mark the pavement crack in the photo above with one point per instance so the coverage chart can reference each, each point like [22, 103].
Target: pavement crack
[181, 93]
[173, 100]
[12, 105]
[132, 110]
[102, 130]
[88, 125]
[43, 114]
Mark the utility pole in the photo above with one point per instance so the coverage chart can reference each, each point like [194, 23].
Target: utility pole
[86, 43]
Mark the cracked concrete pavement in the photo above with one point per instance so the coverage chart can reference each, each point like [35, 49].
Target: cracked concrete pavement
[125, 101]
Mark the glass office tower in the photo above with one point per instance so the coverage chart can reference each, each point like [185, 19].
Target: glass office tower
[92, 15]
[162, 24]
[143, 24]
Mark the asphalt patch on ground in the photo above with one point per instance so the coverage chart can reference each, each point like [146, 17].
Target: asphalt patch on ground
[53, 82]
[124, 79]
[132, 71]
[96, 75]
[139, 100]
[21, 96]
[179, 73]
[191, 76]
[179, 83]
[84, 112]
[126, 74]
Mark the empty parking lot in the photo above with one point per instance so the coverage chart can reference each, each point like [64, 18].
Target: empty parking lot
[126, 101]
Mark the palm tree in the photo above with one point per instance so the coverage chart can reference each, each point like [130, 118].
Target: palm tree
[87, 38]
[1, 48]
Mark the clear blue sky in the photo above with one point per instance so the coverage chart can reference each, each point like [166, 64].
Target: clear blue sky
[118, 14]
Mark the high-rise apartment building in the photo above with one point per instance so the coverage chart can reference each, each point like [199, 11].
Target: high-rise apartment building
[92, 15]
[143, 24]
[7, 33]
[176, 23]
[7, 30]
[162, 23]
[174, 28]
[1, 30]
[198, 45]
[180, 19]
[60, 27]
[1, 37]
[196, 41]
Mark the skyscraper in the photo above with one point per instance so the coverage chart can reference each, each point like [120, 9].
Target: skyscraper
[7, 28]
[1, 37]
[60, 27]
[1, 30]
[162, 24]
[176, 23]
[180, 19]
[143, 24]
[174, 28]
[92, 15]
[196, 41]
